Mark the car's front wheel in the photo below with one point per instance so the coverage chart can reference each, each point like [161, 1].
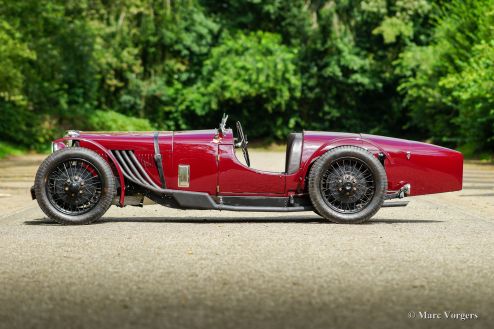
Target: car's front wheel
[74, 186]
[347, 185]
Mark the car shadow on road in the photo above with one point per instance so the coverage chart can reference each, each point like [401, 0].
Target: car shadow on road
[234, 220]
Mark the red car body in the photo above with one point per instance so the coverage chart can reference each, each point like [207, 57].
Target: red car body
[214, 168]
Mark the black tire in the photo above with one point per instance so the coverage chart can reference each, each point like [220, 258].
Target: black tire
[330, 185]
[52, 196]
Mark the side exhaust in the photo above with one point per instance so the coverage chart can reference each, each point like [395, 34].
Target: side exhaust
[133, 170]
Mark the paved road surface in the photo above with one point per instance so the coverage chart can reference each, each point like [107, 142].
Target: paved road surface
[163, 268]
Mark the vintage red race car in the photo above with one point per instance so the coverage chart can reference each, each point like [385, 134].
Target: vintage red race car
[343, 177]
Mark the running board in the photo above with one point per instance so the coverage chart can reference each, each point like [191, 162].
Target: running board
[197, 200]
[395, 204]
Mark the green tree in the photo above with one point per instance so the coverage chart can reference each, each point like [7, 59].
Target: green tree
[14, 54]
[349, 80]
[15, 117]
[406, 68]
[251, 76]
[447, 82]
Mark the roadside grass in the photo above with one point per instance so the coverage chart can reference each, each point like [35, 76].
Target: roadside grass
[8, 149]
[483, 158]
[470, 152]
[267, 146]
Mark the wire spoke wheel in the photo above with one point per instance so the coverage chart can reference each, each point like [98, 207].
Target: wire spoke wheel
[347, 185]
[74, 187]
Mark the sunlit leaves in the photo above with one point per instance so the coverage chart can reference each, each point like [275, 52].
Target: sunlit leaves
[448, 83]
[250, 66]
[13, 55]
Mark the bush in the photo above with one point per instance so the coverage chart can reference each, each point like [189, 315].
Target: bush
[250, 76]
[448, 83]
[113, 121]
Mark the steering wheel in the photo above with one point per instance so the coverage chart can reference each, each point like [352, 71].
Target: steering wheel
[243, 143]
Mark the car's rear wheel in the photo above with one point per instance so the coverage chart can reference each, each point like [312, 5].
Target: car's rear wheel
[74, 186]
[347, 185]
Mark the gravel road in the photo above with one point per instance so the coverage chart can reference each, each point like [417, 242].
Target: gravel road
[164, 268]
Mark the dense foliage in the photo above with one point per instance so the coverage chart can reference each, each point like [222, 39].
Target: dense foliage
[407, 68]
